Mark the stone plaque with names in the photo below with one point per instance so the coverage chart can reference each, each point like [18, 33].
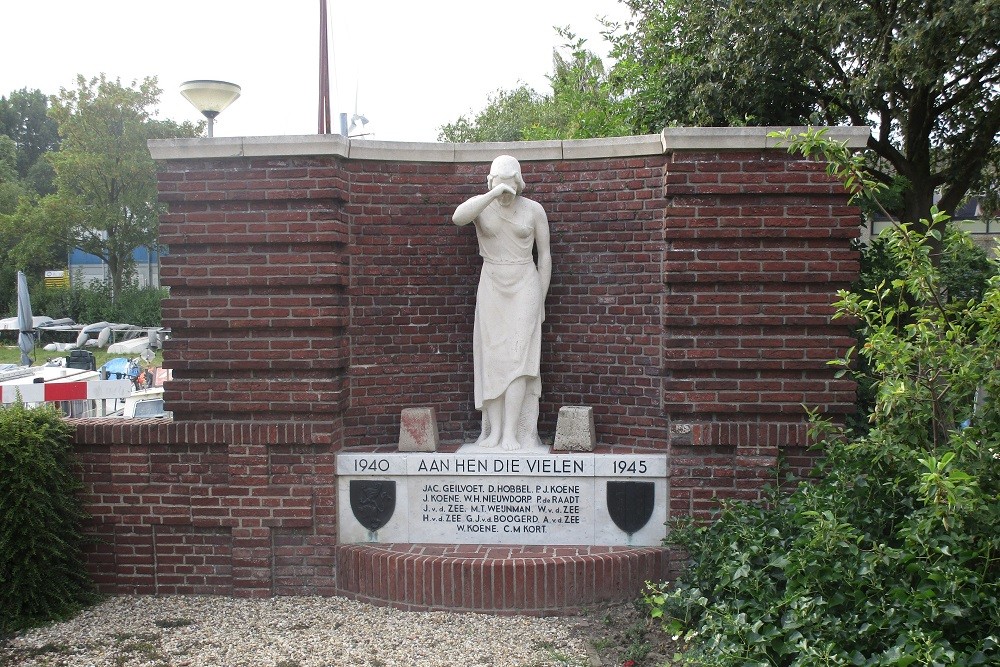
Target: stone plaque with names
[586, 499]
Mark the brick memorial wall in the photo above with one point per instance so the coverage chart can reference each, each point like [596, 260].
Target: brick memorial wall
[318, 288]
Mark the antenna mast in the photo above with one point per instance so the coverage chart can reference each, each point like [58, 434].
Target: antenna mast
[324, 73]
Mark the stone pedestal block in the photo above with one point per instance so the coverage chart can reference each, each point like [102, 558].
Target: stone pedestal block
[418, 430]
[575, 429]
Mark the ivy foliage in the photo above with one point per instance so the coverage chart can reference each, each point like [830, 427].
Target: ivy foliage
[891, 555]
[42, 575]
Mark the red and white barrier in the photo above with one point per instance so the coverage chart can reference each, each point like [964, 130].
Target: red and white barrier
[66, 391]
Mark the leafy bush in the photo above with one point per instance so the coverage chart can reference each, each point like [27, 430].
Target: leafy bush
[42, 575]
[135, 305]
[891, 556]
[965, 272]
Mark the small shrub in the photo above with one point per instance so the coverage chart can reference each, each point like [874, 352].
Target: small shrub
[42, 574]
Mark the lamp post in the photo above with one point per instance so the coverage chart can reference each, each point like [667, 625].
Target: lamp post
[210, 97]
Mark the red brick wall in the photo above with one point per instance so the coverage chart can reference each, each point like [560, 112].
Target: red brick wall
[258, 270]
[413, 286]
[757, 244]
[313, 298]
[209, 508]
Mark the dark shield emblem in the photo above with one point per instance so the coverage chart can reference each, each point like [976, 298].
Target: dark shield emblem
[373, 502]
[630, 504]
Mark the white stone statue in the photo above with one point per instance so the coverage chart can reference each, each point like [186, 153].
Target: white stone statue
[510, 308]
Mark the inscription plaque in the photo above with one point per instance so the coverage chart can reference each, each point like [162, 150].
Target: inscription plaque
[511, 499]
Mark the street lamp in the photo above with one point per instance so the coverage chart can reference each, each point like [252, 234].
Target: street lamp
[210, 97]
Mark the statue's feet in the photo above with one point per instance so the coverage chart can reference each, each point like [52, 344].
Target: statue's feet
[490, 441]
[510, 444]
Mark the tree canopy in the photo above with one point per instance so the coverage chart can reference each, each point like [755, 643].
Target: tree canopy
[508, 115]
[924, 74]
[10, 187]
[580, 104]
[24, 118]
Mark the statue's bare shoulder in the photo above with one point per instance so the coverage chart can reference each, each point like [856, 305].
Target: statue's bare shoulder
[535, 206]
[536, 210]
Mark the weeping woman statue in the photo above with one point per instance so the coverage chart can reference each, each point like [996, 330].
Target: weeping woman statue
[510, 308]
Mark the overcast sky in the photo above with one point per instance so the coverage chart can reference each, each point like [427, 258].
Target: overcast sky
[413, 65]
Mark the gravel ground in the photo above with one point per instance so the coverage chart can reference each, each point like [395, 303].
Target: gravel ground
[180, 631]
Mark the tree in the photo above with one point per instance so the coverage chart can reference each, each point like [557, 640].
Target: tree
[582, 100]
[508, 115]
[579, 106]
[10, 187]
[922, 73]
[24, 118]
[105, 202]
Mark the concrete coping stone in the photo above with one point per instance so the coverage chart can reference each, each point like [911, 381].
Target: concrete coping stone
[671, 139]
[708, 139]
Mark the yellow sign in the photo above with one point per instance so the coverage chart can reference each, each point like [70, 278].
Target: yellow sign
[57, 279]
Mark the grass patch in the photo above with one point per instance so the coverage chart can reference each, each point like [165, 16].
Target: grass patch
[554, 654]
[603, 643]
[636, 646]
[142, 646]
[11, 354]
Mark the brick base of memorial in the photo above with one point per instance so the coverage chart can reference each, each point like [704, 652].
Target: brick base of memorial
[507, 579]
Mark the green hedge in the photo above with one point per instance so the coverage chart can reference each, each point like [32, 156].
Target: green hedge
[135, 305]
[42, 575]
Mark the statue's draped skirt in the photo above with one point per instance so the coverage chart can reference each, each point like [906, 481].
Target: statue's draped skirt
[507, 334]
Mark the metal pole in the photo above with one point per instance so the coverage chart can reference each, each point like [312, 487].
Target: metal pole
[325, 126]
